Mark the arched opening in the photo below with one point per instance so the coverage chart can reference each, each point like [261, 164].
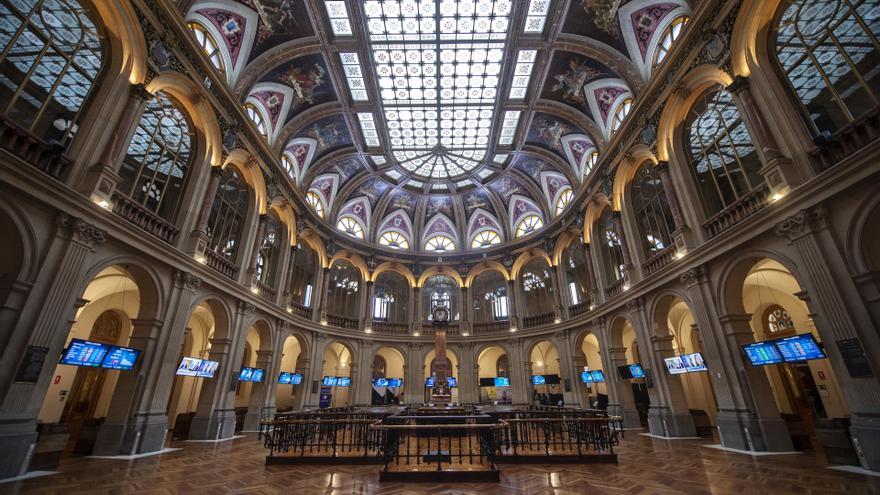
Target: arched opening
[652, 212]
[303, 273]
[536, 285]
[578, 274]
[269, 252]
[493, 362]
[288, 392]
[254, 377]
[441, 290]
[387, 374]
[489, 297]
[590, 361]
[343, 293]
[544, 360]
[610, 241]
[391, 298]
[627, 374]
[337, 363]
[452, 359]
[11, 262]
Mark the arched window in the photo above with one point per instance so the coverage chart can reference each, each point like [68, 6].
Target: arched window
[208, 44]
[528, 225]
[440, 243]
[563, 200]
[621, 113]
[315, 202]
[257, 118]
[394, 240]
[351, 227]
[668, 38]
[345, 282]
[577, 273]
[269, 250]
[50, 58]
[777, 320]
[227, 214]
[485, 238]
[156, 166]
[391, 298]
[303, 267]
[441, 290]
[289, 167]
[724, 159]
[652, 209]
[537, 288]
[489, 294]
[829, 53]
[615, 266]
[502, 366]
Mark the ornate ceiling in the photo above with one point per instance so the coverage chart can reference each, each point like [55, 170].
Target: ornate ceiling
[405, 120]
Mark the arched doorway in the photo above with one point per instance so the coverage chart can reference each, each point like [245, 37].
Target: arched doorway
[338, 363]
[588, 358]
[544, 360]
[493, 362]
[287, 394]
[255, 378]
[452, 359]
[631, 391]
[387, 376]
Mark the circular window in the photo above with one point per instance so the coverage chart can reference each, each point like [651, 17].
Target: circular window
[777, 320]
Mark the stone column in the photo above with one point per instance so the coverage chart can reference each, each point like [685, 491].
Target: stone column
[591, 276]
[840, 317]
[302, 390]
[412, 389]
[466, 310]
[198, 241]
[625, 399]
[624, 246]
[367, 307]
[417, 316]
[677, 422]
[513, 302]
[255, 253]
[578, 363]
[316, 370]
[682, 233]
[564, 356]
[282, 276]
[557, 294]
[321, 298]
[44, 324]
[257, 402]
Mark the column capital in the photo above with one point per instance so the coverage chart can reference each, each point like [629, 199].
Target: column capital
[662, 166]
[739, 84]
[216, 171]
[186, 280]
[140, 91]
[245, 308]
[802, 223]
[695, 276]
[80, 231]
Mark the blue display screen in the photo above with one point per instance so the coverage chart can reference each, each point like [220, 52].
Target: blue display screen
[675, 365]
[120, 358]
[343, 381]
[251, 374]
[587, 376]
[761, 353]
[85, 353]
[637, 371]
[380, 382]
[429, 382]
[799, 348]
[197, 367]
[395, 382]
[501, 381]
[330, 381]
[539, 380]
[296, 379]
[285, 378]
[694, 362]
[598, 376]
[451, 382]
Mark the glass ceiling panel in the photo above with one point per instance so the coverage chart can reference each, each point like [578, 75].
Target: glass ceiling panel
[438, 65]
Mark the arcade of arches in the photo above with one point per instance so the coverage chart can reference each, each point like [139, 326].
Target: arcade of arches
[217, 212]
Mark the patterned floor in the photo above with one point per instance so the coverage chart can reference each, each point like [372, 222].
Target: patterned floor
[647, 466]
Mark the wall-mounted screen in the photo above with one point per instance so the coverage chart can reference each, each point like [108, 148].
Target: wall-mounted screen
[85, 353]
[598, 376]
[251, 375]
[343, 381]
[761, 353]
[380, 382]
[694, 362]
[285, 378]
[451, 382]
[636, 370]
[501, 381]
[120, 358]
[538, 380]
[330, 381]
[296, 379]
[197, 367]
[487, 382]
[429, 382]
[395, 382]
[587, 376]
[675, 365]
[799, 348]
[551, 379]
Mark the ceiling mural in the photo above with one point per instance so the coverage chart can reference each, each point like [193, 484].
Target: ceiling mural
[330, 133]
[478, 199]
[309, 78]
[597, 20]
[374, 188]
[280, 21]
[568, 74]
[548, 130]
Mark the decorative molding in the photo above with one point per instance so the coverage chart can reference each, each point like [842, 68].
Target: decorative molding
[81, 231]
[694, 276]
[802, 223]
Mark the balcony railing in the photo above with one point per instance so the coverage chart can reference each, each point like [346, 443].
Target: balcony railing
[300, 310]
[538, 320]
[659, 260]
[342, 322]
[21, 143]
[491, 327]
[219, 263]
[451, 330]
[143, 218]
[391, 328]
[579, 308]
[742, 209]
[615, 287]
[267, 292]
[853, 137]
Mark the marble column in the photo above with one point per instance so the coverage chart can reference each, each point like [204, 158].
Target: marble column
[625, 398]
[624, 245]
[258, 402]
[198, 241]
[682, 234]
[367, 302]
[513, 301]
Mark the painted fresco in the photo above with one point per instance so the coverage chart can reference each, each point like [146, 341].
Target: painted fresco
[280, 21]
[478, 198]
[507, 187]
[231, 25]
[567, 75]
[532, 167]
[439, 204]
[402, 200]
[547, 132]
[330, 132]
[645, 22]
[373, 189]
[310, 80]
[592, 19]
[348, 168]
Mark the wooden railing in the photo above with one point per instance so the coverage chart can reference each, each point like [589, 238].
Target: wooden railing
[742, 209]
[491, 327]
[143, 218]
[300, 310]
[219, 263]
[342, 322]
[538, 320]
[391, 328]
[579, 308]
[659, 260]
[853, 137]
[25, 146]
[267, 292]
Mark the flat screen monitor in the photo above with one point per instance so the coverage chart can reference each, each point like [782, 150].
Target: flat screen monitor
[251, 374]
[552, 379]
[201, 368]
[675, 365]
[799, 348]
[330, 381]
[343, 381]
[598, 376]
[451, 382]
[85, 353]
[380, 382]
[624, 372]
[636, 370]
[429, 382]
[120, 358]
[539, 380]
[487, 382]
[501, 381]
[296, 379]
[587, 376]
[285, 378]
[395, 382]
[694, 362]
[761, 353]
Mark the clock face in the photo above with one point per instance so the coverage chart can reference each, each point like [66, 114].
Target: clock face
[441, 314]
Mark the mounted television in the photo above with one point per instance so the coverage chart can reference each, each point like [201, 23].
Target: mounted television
[285, 378]
[429, 382]
[487, 382]
[201, 368]
[395, 382]
[587, 376]
[120, 358]
[251, 375]
[85, 353]
[799, 348]
[538, 380]
[552, 379]
[694, 362]
[451, 382]
[598, 376]
[343, 381]
[330, 381]
[675, 365]
[296, 379]
[636, 370]
[501, 381]
[762, 353]
[380, 382]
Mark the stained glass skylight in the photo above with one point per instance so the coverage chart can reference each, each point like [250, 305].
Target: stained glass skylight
[338, 14]
[438, 65]
[351, 64]
[508, 127]
[368, 128]
[522, 74]
[536, 16]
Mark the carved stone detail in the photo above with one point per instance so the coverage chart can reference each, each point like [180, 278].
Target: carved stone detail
[694, 276]
[803, 223]
[81, 231]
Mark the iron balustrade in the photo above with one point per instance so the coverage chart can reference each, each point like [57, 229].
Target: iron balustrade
[322, 438]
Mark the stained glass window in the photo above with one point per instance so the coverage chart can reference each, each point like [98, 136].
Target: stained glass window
[830, 51]
[227, 214]
[315, 203]
[208, 44]
[724, 159]
[563, 201]
[439, 243]
[50, 58]
[528, 225]
[668, 38]
[156, 166]
[652, 209]
[351, 227]
[394, 239]
[777, 320]
[485, 238]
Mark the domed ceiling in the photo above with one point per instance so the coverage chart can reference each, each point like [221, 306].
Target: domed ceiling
[444, 125]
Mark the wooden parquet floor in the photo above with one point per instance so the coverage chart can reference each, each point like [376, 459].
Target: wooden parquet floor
[647, 466]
